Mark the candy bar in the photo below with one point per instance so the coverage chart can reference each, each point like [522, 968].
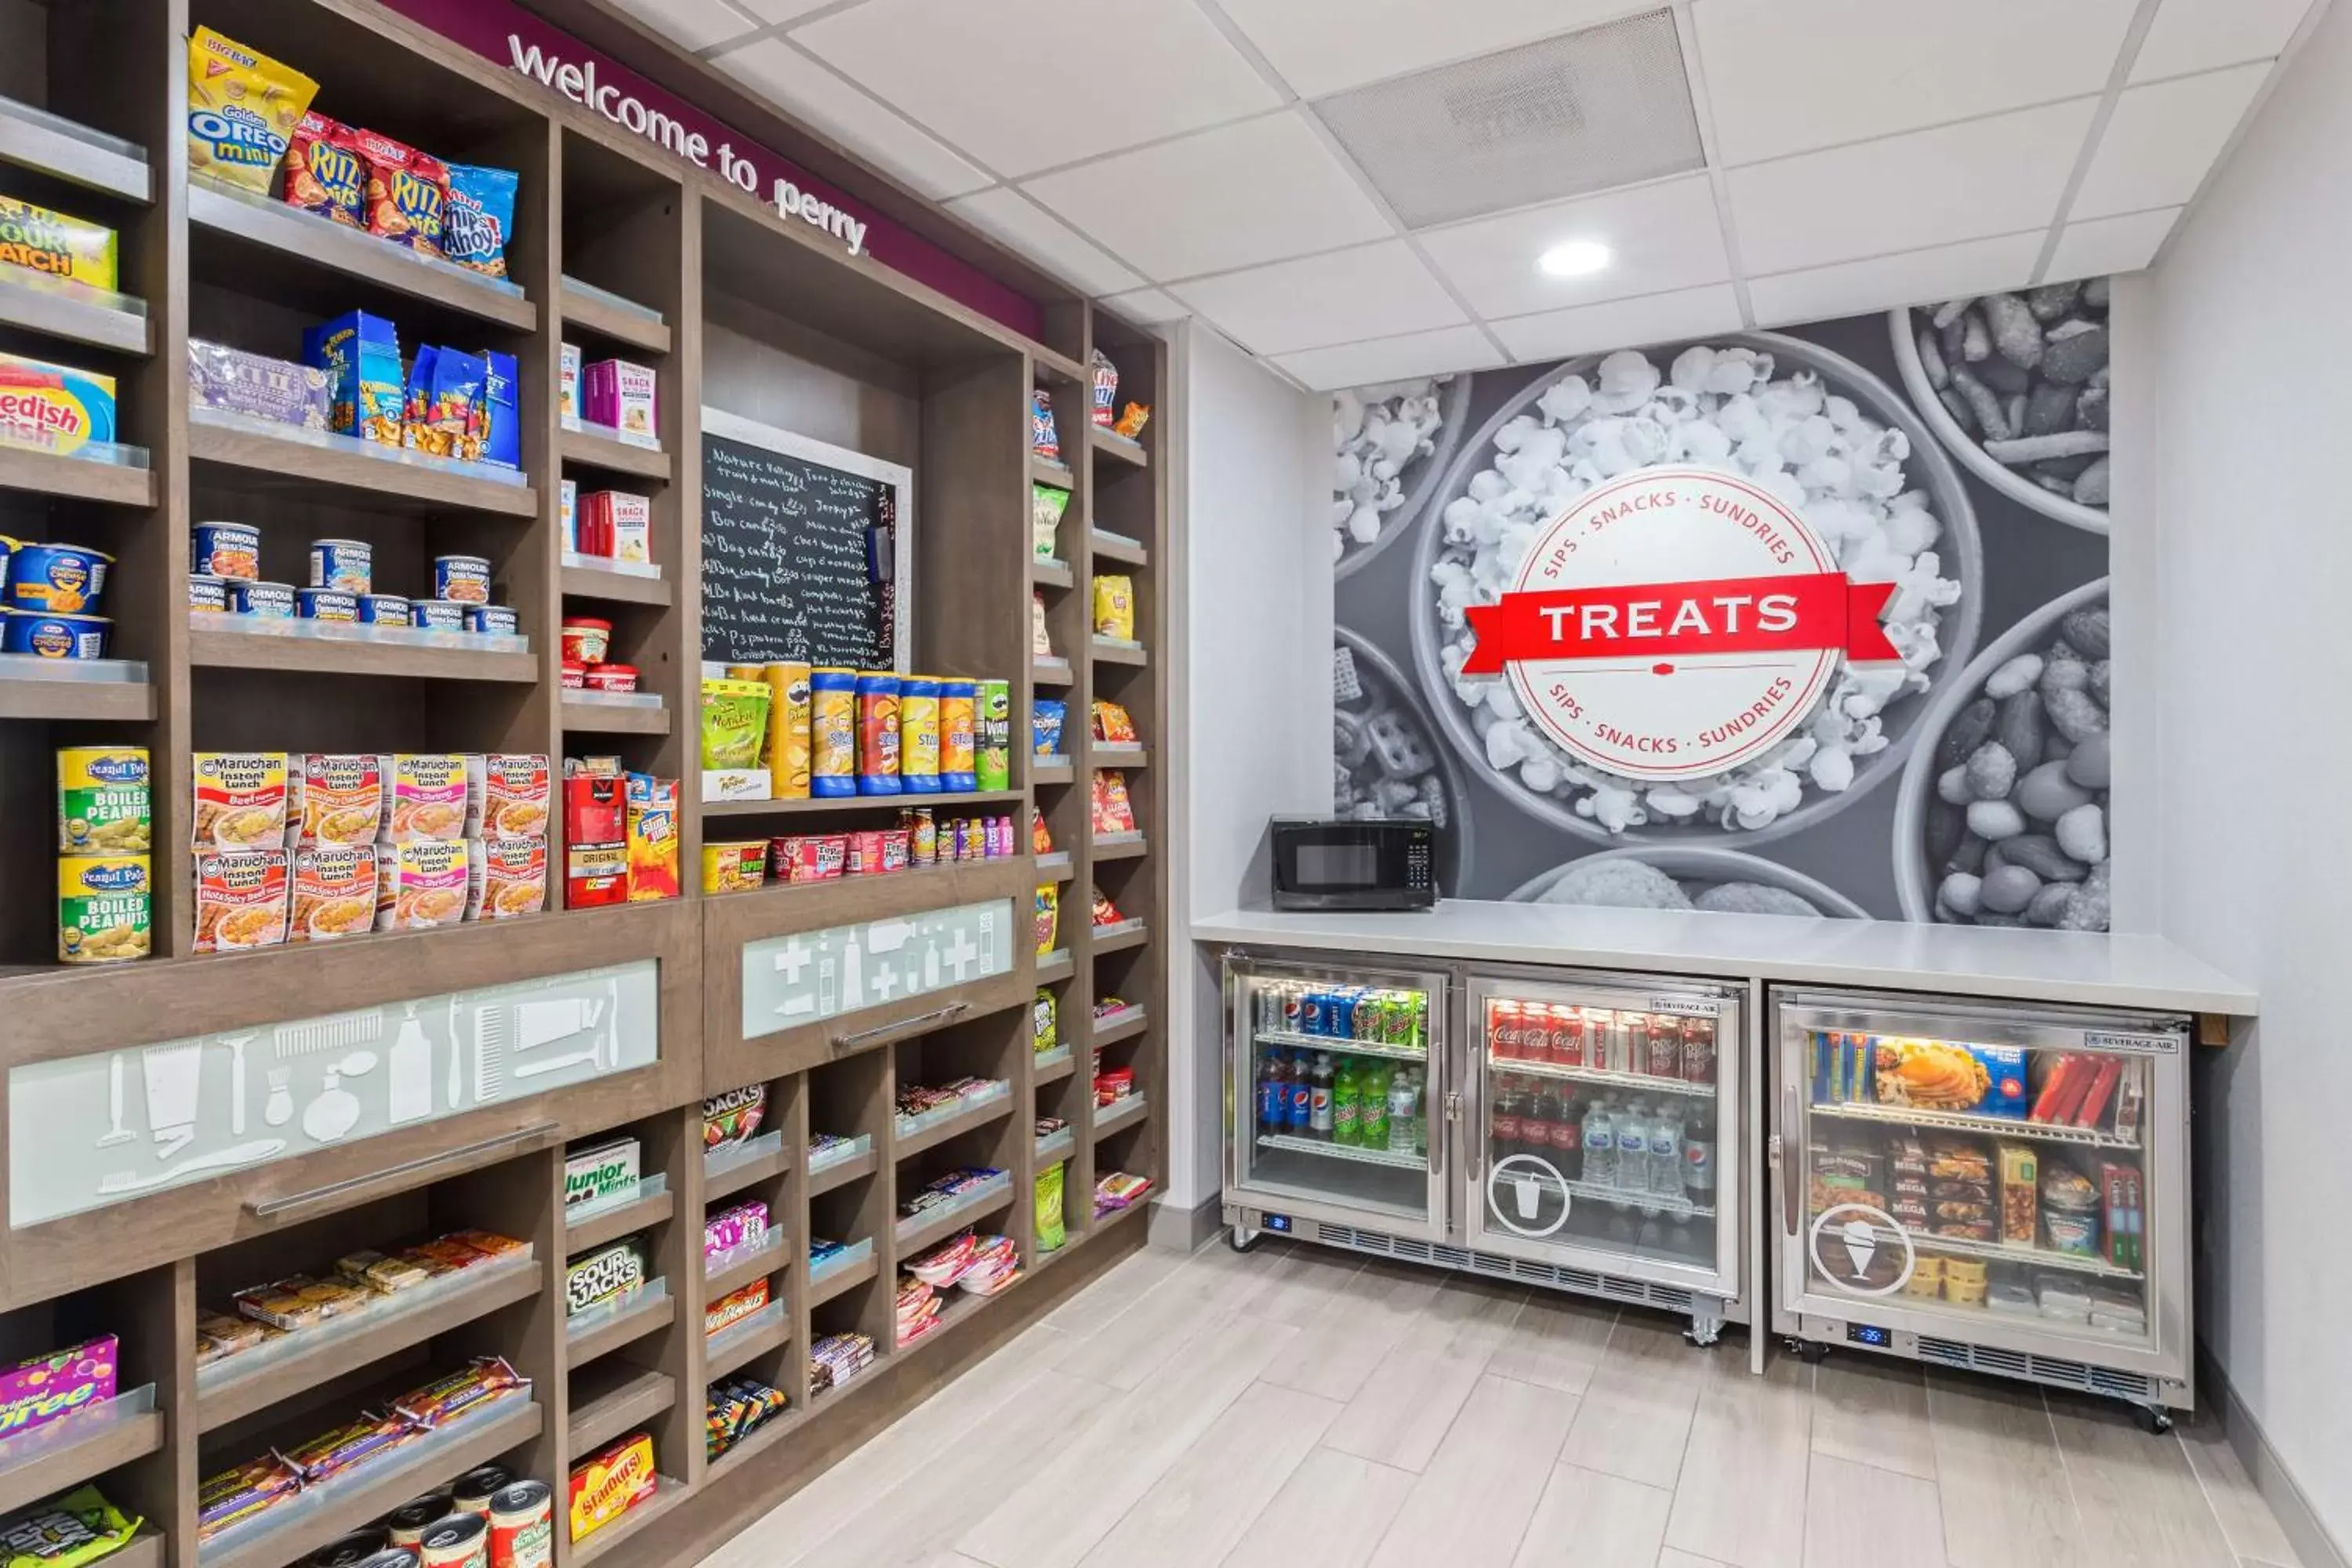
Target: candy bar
[353, 1443]
[488, 1380]
[64, 1532]
[235, 1495]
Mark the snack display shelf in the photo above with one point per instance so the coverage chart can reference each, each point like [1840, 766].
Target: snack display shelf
[1046, 471]
[858, 802]
[1119, 934]
[1122, 1112]
[609, 1325]
[739, 1343]
[1047, 572]
[259, 642]
[915, 1232]
[599, 712]
[236, 1385]
[772, 1432]
[737, 1267]
[1053, 671]
[1055, 1147]
[34, 687]
[1292, 1143]
[1052, 1067]
[1119, 755]
[144, 1550]
[610, 1398]
[319, 1514]
[1119, 547]
[735, 1166]
[1056, 867]
[619, 582]
[1123, 1025]
[97, 317]
[1633, 1082]
[1119, 846]
[100, 471]
[667, 1494]
[1961, 1121]
[227, 215]
[63, 1453]
[607, 314]
[1118, 446]
[958, 1308]
[1118, 650]
[602, 447]
[1051, 770]
[915, 1134]
[297, 458]
[1054, 965]
[2031, 1256]
[841, 1164]
[647, 1203]
[852, 1266]
[51, 144]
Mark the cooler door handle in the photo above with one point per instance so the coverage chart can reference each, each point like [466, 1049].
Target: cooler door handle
[1782, 1165]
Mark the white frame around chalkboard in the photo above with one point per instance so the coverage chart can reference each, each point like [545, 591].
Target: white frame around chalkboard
[898, 475]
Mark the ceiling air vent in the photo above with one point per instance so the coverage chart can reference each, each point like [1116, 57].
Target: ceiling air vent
[1589, 111]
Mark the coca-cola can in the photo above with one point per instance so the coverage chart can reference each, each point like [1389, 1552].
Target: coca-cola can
[1567, 1037]
[1664, 1047]
[1506, 1031]
[1698, 1051]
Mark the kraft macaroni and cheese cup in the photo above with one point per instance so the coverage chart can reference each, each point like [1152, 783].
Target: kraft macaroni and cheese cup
[918, 735]
[959, 769]
[345, 563]
[994, 699]
[65, 578]
[44, 633]
[878, 732]
[832, 734]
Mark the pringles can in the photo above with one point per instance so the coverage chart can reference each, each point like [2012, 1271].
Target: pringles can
[959, 769]
[878, 732]
[832, 734]
[918, 735]
[994, 699]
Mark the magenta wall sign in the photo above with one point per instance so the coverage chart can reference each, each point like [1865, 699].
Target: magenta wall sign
[554, 62]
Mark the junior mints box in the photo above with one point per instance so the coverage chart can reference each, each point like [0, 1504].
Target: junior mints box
[599, 1171]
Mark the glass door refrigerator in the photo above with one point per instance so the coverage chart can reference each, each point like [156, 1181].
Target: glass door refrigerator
[1602, 1146]
[1337, 1085]
[2002, 1189]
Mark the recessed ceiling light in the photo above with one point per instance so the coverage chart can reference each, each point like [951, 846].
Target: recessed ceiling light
[1577, 259]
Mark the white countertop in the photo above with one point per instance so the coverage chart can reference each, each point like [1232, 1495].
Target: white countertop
[2015, 965]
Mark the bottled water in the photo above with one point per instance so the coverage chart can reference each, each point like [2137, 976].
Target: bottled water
[1404, 1117]
[1666, 1154]
[1599, 1145]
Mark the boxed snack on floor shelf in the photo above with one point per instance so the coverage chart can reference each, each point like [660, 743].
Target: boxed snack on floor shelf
[733, 1308]
[53, 408]
[736, 1407]
[604, 1275]
[734, 1226]
[600, 1170]
[53, 247]
[733, 1118]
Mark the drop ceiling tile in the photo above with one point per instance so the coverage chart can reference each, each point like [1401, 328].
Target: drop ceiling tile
[808, 92]
[1372, 291]
[1620, 324]
[2198, 34]
[1323, 46]
[1045, 239]
[1025, 84]
[1393, 359]
[1663, 236]
[2162, 140]
[2105, 245]
[1147, 306]
[1988, 176]
[1788, 76]
[1855, 288]
[782, 10]
[694, 24]
[1259, 191]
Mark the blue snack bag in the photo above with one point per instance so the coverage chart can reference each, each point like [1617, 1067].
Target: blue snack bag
[1046, 716]
[480, 217]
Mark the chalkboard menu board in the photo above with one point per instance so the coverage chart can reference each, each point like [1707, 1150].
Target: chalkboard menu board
[803, 548]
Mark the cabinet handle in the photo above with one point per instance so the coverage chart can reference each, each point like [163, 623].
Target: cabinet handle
[1787, 1177]
[842, 1044]
[278, 1208]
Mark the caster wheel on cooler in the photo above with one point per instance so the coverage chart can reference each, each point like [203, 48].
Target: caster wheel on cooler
[2154, 1420]
[1241, 1239]
[1812, 1354]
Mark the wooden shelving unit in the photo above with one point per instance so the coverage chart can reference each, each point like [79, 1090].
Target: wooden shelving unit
[621, 250]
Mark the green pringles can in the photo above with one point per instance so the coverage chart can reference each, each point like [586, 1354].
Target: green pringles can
[995, 727]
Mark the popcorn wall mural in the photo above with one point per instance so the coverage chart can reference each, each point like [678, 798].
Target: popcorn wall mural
[1809, 623]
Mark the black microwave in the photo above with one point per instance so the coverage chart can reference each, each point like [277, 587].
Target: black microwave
[1320, 863]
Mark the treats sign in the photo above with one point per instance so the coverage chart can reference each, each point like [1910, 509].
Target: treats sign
[1674, 624]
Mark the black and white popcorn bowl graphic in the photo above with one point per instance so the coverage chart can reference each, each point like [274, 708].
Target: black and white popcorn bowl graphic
[1386, 758]
[1390, 444]
[1687, 876]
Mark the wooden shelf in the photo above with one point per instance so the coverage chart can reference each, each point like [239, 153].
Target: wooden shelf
[323, 655]
[937, 1228]
[1126, 1028]
[625, 1329]
[61, 1462]
[50, 145]
[1118, 446]
[1056, 969]
[1064, 1064]
[771, 1433]
[376, 1490]
[846, 1278]
[858, 803]
[610, 1398]
[1042, 771]
[1046, 471]
[773, 1259]
[586, 310]
[597, 1543]
[1118, 547]
[340, 1347]
[1105, 651]
[616, 587]
[615, 456]
[596, 719]
[101, 702]
[1052, 575]
[75, 316]
[75, 479]
[1106, 754]
[1119, 849]
[842, 1172]
[1120, 1115]
[740, 1352]
[749, 1174]
[1052, 672]
[1120, 940]
[341, 467]
[271, 247]
[614, 1224]
[1056, 867]
[939, 1132]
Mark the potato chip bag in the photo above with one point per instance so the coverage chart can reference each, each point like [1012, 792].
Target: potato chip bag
[1049, 916]
[243, 111]
[1112, 724]
[1113, 811]
[1115, 606]
[1046, 504]
[734, 723]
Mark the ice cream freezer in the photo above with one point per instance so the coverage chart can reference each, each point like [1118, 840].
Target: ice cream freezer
[1578, 1131]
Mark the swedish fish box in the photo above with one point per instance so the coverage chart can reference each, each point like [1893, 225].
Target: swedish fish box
[54, 246]
[366, 392]
[49, 407]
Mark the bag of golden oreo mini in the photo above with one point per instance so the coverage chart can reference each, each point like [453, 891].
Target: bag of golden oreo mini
[242, 109]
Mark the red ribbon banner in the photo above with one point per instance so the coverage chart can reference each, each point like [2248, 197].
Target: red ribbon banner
[1732, 614]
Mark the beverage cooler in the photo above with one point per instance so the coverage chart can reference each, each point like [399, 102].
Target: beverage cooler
[2000, 1189]
[1579, 1132]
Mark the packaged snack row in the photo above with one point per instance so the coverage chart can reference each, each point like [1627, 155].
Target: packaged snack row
[738, 865]
[948, 1189]
[2011, 1192]
[735, 1407]
[360, 1282]
[794, 731]
[619, 835]
[106, 828]
[622, 396]
[248, 115]
[227, 580]
[1127, 422]
[922, 1105]
[836, 1359]
[2099, 1091]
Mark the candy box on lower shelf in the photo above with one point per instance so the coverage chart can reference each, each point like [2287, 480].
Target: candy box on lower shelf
[608, 1484]
[37, 1392]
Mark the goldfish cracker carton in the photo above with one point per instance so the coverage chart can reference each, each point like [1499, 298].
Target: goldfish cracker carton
[505, 879]
[243, 110]
[653, 838]
[53, 408]
[420, 885]
[788, 739]
[51, 244]
[506, 795]
[367, 394]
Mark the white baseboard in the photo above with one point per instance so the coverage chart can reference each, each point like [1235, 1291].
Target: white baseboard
[1183, 1230]
[2288, 1505]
